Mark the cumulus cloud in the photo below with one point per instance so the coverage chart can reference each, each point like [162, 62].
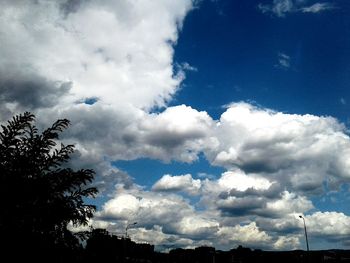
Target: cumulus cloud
[30, 91]
[287, 242]
[300, 152]
[331, 225]
[184, 183]
[236, 194]
[102, 47]
[59, 56]
[238, 180]
[281, 8]
[233, 206]
[172, 212]
[249, 234]
[197, 227]
[177, 133]
[167, 219]
[289, 203]
[290, 224]
[161, 240]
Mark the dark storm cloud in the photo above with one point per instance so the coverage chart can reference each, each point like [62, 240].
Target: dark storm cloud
[248, 202]
[272, 192]
[251, 160]
[170, 139]
[71, 6]
[241, 206]
[130, 135]
[31, 91]
[280, 226]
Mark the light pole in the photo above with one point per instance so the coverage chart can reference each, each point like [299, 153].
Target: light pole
[307, 242]
[127, 227]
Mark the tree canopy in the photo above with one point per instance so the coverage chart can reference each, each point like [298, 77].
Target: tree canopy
[40, 194]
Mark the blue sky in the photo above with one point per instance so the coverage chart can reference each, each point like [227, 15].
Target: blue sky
[207, 122]
[237, 51]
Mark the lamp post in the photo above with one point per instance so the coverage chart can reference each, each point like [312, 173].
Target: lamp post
[127, 227]
[307, 242]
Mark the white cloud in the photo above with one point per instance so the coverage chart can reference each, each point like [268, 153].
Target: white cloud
[57, 54]
[297, 151]
[103, 48]
[197, 226]
[283, 61]
[183, 183]
[290, 203]
[278, 7]
[172, 212]
[236, 194]
[161, 240]
[179, 132]
[159, 216]
[168, 220]
[333, 225]
[122, 207]
[289, 224]
[187, 67]
[281, 8]
[249, 235]
[318, 7]
[287, 243]
[240, 181]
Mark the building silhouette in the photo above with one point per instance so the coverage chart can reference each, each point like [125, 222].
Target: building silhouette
[104, 247]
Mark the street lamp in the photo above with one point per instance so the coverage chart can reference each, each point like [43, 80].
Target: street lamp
[127, 227]
[307, 242]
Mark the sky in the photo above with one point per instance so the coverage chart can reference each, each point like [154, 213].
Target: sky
[212, 122]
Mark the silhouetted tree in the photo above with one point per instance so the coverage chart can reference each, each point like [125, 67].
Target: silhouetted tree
[39, 195]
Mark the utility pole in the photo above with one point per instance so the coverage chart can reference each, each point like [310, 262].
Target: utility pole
[127, 227]
[307, 242]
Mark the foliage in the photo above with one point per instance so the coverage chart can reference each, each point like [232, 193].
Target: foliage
[40, 196]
